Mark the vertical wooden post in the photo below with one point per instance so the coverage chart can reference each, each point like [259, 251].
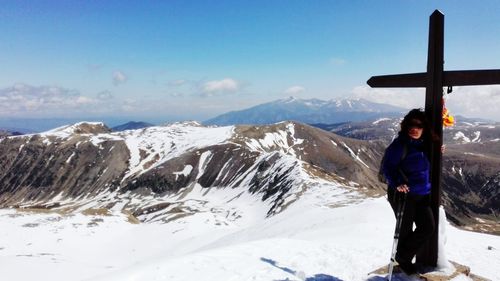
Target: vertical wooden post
[433, 110]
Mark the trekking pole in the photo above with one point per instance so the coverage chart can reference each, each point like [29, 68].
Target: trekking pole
[399, 221]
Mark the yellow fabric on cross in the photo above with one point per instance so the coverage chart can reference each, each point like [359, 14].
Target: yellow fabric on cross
[448, 119]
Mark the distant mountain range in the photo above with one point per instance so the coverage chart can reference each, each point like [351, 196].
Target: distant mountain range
[36, 125]
[308, 111]
[9, 132]
[132, 125]
[466, 130]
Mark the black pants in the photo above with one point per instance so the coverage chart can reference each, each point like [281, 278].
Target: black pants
[417, 210]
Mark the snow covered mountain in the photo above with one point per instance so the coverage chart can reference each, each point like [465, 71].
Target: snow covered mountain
[308, 111]
[150, 173]
[142, 172]
[186, 202]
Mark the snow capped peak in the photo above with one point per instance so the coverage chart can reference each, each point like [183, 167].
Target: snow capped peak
[295, 101]
[189, 123]
[290, 99]
[152, 146]
[78, 128]
[311, 111]
[381, 120]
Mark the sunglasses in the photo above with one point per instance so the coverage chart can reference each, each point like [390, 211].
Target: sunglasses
[416, 125]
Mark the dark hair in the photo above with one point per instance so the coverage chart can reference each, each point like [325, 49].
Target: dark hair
[418, 114]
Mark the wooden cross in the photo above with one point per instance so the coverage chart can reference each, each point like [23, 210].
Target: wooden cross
[434, 80]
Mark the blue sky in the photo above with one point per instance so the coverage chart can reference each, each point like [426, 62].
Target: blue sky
[174, 60]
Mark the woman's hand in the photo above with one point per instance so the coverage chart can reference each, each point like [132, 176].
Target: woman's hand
[403, 188]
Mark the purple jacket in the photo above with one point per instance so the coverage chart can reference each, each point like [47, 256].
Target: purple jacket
[415, 166]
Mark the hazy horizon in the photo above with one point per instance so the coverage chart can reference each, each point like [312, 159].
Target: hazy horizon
[34, 125]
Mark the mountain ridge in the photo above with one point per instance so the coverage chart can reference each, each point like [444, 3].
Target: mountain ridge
[307, 111]
[149, 173]
[87, 165]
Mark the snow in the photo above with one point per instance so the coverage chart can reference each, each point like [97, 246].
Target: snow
[318, 236]
[461, 136]
[152, 146]
[70, 157]
[354, 155]
[323, 231]
[442, 261]
[185, 172]
[477, 135]
[380, 120]
[475, 154]
[282, 139]
[459, 171]
[69, 130]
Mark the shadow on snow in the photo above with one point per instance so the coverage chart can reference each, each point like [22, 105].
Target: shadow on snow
[316, 277]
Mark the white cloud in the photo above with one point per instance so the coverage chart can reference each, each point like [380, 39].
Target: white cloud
[119, 78]
[295, 90]
[226, 85]
[478, 101]
[403, 97]
[25, 100]
[105, 95]
[84, 100]
[129, 105]
[175, 94]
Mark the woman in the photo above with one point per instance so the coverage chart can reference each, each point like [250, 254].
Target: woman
[407, 169]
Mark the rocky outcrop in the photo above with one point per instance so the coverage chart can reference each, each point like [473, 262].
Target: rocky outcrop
[38, 168]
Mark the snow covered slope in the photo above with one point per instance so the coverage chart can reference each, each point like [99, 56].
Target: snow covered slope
[187, 202]
[315, 239]
[151, 173]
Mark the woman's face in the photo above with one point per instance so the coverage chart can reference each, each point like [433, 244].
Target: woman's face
[415, 129]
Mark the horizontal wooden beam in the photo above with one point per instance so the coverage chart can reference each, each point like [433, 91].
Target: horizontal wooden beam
[450, 78]
[410, 80]
[471, 77]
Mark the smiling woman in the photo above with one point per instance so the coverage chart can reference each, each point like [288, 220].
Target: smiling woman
[407, 169]
[416, 129]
